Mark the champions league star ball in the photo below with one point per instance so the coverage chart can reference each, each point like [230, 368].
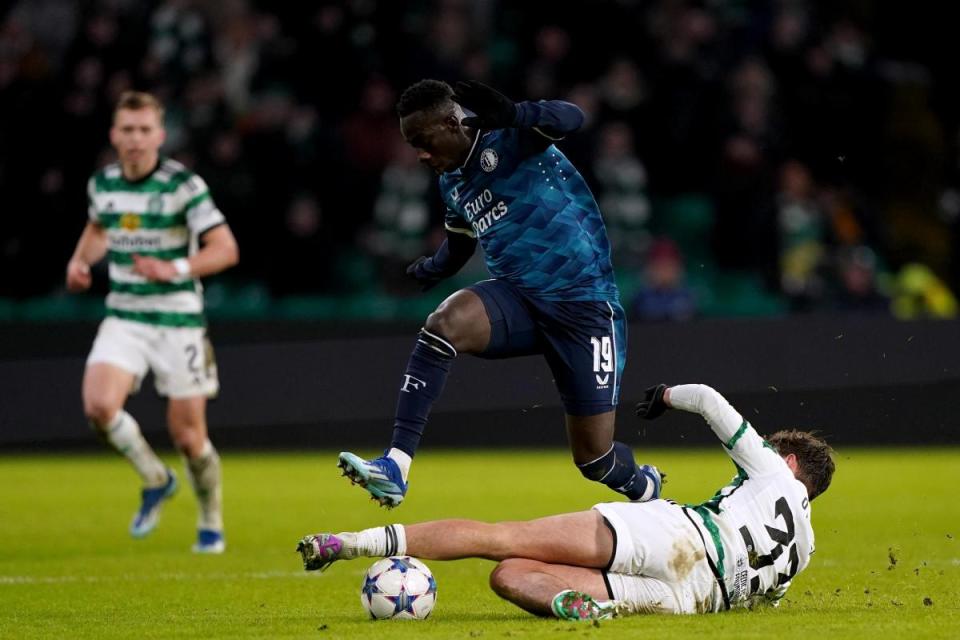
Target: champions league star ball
[398, 587]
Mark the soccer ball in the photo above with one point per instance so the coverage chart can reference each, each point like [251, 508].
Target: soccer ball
[398, 587]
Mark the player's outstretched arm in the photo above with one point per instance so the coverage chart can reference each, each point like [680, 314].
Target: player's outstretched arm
[695, 398]
[723, 419]
[748, 450]
[450, 257]
[91, 247]
[493, 110]
[552, 119]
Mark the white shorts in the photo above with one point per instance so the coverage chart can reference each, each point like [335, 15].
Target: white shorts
[659, 564]
[181, 358]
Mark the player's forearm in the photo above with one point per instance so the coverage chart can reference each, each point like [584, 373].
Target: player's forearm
[450, 257]
[699, 398]
[555, 117]
[92, 245]
[219, 252]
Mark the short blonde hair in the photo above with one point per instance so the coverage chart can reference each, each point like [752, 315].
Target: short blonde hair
[136, 100]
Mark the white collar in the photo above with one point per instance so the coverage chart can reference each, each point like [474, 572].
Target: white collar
[473, 147]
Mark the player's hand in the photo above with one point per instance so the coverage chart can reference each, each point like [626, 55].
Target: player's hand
[653, 405]
[154, 269]
[419, 270]
[493, 109]
[78, 276]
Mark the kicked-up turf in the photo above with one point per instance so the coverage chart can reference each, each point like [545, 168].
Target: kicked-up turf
[887, 562]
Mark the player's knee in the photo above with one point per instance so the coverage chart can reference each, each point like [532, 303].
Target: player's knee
[503, 578]
[443, 323]
[99, 412]
[188, 446]
[462, 321]
[188, 435]
[188, 442]
[443, 334]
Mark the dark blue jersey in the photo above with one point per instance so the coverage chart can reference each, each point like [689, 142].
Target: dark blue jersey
[534, 216]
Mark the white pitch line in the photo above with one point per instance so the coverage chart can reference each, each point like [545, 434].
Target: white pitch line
[174, 577]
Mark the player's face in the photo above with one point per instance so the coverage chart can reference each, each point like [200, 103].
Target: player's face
[439, 140]
[137, 135]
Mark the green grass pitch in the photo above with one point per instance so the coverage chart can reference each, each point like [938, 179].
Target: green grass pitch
[887, 562]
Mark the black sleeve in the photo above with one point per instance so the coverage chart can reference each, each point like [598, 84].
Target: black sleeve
[455, 251]
[545, 122]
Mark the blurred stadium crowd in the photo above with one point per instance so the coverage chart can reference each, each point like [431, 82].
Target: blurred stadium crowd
[749, 157]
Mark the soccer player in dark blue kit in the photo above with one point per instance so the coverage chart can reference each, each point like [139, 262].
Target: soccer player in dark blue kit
[508, 188]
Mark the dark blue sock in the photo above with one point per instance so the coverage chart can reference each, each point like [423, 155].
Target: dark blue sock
[420, 387]
[618, 470]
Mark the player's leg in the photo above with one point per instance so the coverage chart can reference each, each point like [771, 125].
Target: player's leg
[586, 350]
[472, 321]
[114, 368]
[105, 389]
[572, 593]
[186, 418]
[578, 539]
[458, 325]
[185, 371]
[485, 319]
[601, 458]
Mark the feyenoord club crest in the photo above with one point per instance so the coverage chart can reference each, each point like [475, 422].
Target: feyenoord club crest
[489, 160]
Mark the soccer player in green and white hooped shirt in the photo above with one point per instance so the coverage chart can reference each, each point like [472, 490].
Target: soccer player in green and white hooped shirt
[741, 548]
[159, 228]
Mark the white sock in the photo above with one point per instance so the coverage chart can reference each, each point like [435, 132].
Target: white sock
[378, 541]
[123, 434]
[403, 460]
[204, 475]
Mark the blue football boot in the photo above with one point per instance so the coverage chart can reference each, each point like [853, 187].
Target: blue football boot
[146, 518]
[381, 477]
[209, 541]
[654, 479]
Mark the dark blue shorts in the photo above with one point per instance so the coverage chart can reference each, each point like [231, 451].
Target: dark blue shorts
[584, 342]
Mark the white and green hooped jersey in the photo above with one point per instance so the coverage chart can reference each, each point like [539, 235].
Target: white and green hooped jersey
[757, 528]
[163, 216]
